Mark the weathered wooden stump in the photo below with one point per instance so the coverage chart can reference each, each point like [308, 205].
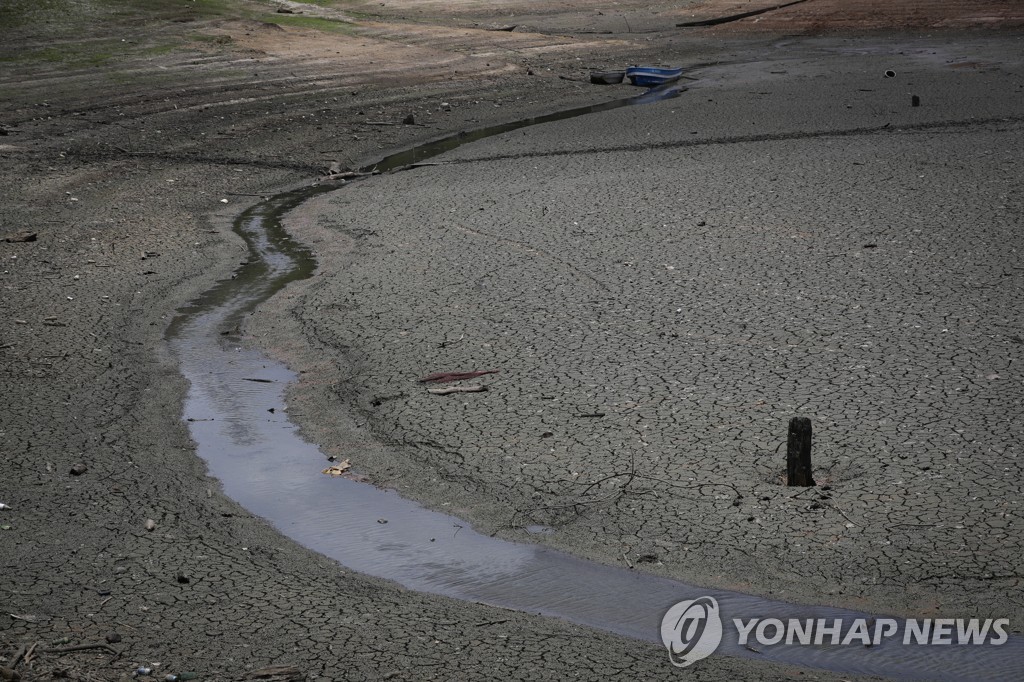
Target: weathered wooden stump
[798, 454]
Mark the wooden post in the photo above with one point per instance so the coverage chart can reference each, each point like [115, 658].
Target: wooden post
[798, 454]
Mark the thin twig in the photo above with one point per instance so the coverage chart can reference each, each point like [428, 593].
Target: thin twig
[18, 656]
[841, 512]
[30, 652]
[82, 647]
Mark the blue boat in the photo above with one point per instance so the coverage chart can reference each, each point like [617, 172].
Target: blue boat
[651, 76]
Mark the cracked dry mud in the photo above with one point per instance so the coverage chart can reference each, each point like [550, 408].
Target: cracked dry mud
[120, 168]
[662, 304]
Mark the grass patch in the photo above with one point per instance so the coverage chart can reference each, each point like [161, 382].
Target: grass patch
[89, 53]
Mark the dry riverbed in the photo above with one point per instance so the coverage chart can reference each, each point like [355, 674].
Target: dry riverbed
[132, 135]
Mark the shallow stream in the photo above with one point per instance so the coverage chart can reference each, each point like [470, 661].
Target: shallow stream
[270, 470]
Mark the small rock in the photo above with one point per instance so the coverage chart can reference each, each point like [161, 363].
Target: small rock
[183, 579]
[79, 469]
[150, 524]
[409, 120]
[23, 236]
[382, 520]
[113, 638]
[9, 675]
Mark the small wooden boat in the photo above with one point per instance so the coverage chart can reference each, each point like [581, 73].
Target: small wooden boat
[607, 77]
[651, 76]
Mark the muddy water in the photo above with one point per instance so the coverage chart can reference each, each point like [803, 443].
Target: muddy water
[265, 466]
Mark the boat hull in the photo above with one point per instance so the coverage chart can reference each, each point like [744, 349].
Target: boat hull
[649, 76]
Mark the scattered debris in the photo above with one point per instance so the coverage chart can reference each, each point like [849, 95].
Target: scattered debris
[336, 172]
[23, 236]
[471, 388]
[455, 376]
[78, 469]
[338, 469]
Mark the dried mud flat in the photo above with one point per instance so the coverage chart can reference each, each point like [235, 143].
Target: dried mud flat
[119, 151]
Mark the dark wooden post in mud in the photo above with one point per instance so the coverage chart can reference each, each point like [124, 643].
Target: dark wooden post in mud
[798, 455]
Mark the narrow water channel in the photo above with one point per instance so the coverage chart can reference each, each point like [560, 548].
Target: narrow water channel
[266, 467]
